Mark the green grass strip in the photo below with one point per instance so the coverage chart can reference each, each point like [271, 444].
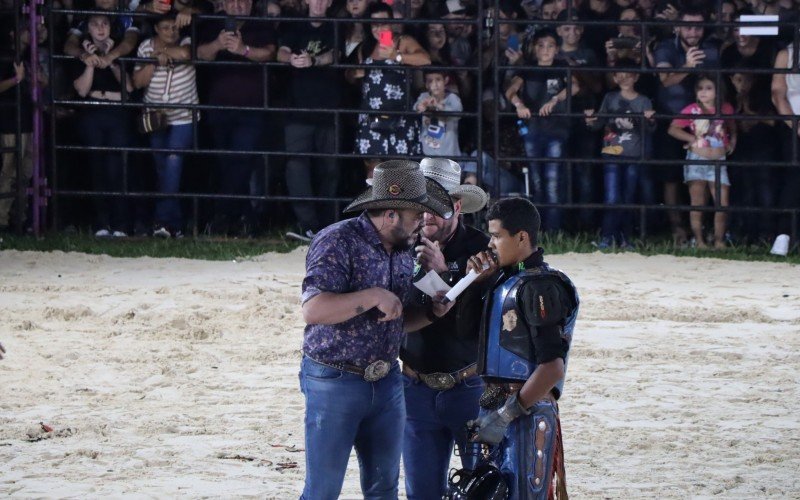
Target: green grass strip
[211, 248]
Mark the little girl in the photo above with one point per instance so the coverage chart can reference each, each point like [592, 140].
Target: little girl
[706, 139]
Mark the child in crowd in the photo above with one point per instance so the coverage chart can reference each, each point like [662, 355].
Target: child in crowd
[439, 134]
[535, 95]
[706, 139]
[624, 138]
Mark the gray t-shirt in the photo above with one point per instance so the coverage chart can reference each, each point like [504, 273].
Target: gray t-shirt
[439, 134]
[624, 135]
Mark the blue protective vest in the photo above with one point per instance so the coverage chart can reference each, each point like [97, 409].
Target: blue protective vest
[506, 349]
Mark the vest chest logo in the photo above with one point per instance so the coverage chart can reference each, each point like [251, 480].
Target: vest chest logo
[509, 320]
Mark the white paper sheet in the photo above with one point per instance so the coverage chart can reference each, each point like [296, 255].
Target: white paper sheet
[431, 284]
[462, 285]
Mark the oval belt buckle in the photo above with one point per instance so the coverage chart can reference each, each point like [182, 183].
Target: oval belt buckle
[440, 381]
[376, 371]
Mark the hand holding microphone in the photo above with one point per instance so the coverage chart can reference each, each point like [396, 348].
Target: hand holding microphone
[483, 263]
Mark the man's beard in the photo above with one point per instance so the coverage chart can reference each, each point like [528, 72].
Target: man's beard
[406, 241]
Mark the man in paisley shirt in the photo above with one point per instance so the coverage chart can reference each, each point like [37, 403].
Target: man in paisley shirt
[358, 278]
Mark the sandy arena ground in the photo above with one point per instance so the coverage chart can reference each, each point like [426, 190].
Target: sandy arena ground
[178, 378]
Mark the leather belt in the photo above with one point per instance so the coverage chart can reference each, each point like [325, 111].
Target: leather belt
[371, 373]
[441, 381]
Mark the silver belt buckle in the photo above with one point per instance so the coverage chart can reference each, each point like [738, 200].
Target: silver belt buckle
[438, 381]
[376, 371]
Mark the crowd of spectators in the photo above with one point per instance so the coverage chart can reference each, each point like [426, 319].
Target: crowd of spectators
[572, 109]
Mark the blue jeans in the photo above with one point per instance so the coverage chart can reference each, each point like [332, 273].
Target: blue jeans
[436, 421]
[108, 127]
[494, 176]
[620, 183]
[546, 176]
[169, 167]
[236, 131]
[342, 410]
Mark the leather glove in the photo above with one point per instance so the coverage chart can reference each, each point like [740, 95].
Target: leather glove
[491, 427]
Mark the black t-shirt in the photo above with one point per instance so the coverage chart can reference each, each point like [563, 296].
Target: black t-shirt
[235, 85]
[764, 56]
[539, 87]
[103, 80]
[451, 343]
[314, 87]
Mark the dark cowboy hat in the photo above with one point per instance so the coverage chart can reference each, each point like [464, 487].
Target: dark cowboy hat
[400, 184]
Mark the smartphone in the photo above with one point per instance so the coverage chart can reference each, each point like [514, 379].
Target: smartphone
[624, 42]
[387, 39]
[230, 25]
[513, 42]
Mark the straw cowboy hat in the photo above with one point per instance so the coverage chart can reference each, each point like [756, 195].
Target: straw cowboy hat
[400, 184]
[448, 174]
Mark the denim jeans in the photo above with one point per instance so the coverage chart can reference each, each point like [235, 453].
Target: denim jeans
[546, 177]
[620, 182]
[107, 127]
[169, 167]
[495, 177]
[436, 420]
[303, 180]
[236, 131]
[342, 411]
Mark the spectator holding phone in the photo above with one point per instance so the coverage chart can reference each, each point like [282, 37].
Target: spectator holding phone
[676, 91]
[310, 49]
[105, 125]
[384, 88]
[239, 39]
[123, 36]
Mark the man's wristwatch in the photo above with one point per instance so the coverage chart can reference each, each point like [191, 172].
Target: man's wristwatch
[399, 58]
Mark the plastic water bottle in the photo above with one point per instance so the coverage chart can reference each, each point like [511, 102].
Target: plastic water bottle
[522, 127]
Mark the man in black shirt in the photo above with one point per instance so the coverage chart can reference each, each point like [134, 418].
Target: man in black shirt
[441, 388]
[310, 48]
[235, 85]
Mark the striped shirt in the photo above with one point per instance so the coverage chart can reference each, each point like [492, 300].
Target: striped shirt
[182, 90]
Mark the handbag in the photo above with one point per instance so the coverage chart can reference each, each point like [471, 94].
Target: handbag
[152, 120]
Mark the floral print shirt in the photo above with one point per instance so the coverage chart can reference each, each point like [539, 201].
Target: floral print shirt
[347, 257]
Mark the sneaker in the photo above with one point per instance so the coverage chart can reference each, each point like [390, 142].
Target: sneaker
[161, 232]
[103, 233]
[119, 234]
[304, 237]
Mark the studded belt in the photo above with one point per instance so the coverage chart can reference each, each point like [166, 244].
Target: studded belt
[441, 381]
[371, 373]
